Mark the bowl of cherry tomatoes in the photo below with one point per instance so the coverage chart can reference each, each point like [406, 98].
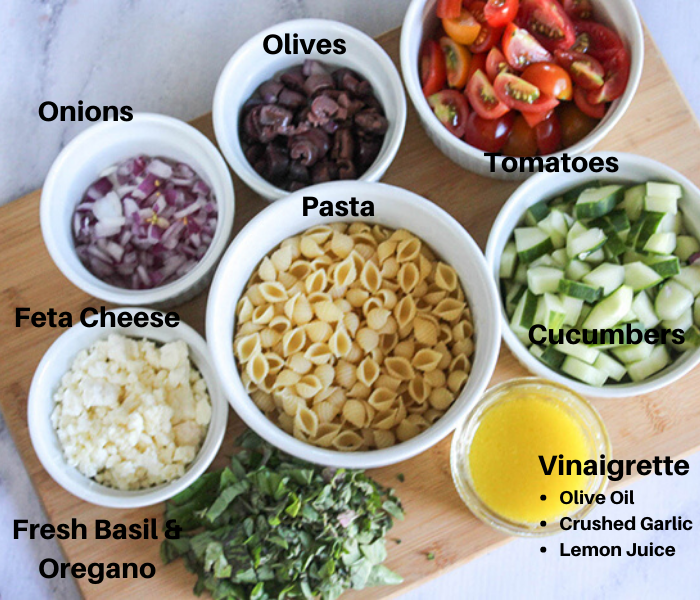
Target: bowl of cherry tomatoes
[520, 78]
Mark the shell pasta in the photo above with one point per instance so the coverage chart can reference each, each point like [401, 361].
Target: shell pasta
[353, 336]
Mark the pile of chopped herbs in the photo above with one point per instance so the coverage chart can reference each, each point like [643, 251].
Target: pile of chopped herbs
[272, 526]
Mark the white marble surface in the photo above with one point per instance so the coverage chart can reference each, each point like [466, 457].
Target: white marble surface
[165, 56]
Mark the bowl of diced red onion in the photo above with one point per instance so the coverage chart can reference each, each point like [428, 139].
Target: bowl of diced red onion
[138, 212]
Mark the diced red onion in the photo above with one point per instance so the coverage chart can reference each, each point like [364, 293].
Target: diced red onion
[145, 222]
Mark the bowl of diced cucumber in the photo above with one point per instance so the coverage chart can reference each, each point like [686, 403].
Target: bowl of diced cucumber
[575, 253]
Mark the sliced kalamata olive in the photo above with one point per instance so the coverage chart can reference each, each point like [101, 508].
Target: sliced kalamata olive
[291, 99]
[270, 90]
[346, 169]
[251, 123]
[298, 172]
[315, 83]
[276, 116]
[254, 152]
[330, 127]
[293, 186]
[313, 67]
[308, 148]
[324, 171]
[276, 161]
[367, 152]
[294, 79]
[372, 122]
[343, 146]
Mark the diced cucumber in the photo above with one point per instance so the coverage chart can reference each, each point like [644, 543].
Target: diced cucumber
[617, 336]
[543, 261]
[689, 277]
[586, 243]
[573, 194]
[672, 300]
[560, 258]
[513, 294]
[509, 261]
[666, 266]
[522, 334]
[691, 340]
[649, 225]
[555, 226]
[606, 276]
[578, 290]
[541, 280]
[580, 351]
[573, 308]
[584, 372]
[661, 243]
[639, 276]
[521, 274]
[684, 322]
[615, 245]
[576, 270]
[696, 311]
[576, 230]
[594, 258]
[529, 310]
[608, 312]
[670, 191]
[643, 369]
[531, 243]
[552, 357]
[686, 246]
[609, 366]
[633, 352]
[634, 202]
[661, 204]
[668, 223]
[630, 317]
[554, 311]
[619, 220]
[596, 202]
[644, 310]
[537, 351]
[536, 213]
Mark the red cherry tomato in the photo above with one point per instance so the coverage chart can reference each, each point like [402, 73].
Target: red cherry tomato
[448, 9]
[551, 79]
[617, 74]
[548, 134]
[488, 36]
[478, 63]
[483, 98]
[496, 63]
[534, 119]
[603, 42]
[488, 135]
[451, 108]
[520, 95]
[578, 9]
[499, 13]
[586, 71]
[433, 74]
[522, 140]
[457, 59]
[575, 125]
[595, 111]
[548, 22]
[521, 49]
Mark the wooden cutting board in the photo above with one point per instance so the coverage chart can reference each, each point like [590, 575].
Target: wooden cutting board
[659, 124]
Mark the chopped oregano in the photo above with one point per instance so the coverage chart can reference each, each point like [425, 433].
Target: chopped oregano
[273, 526]
[430, 555]
[401, 477]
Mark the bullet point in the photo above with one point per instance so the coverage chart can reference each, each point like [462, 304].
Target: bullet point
[543, 497]
[543, 523]
[543, 549]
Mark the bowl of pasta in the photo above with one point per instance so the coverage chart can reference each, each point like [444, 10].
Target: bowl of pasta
[355, 342]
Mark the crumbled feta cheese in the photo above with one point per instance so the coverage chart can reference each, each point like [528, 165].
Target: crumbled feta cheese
[132, 414]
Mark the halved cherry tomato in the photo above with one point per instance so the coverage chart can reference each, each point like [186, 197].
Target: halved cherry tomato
[617, 74]
[488, 36]
[548, 134]
[457, 60]
[464, 29]
[499, 13]
[496, 63]
[582, 43]
[575, 125]
[595, 111]
[520, 95]
[450, 106]
[551, 79]
[586, 71]
[478, 63]
[488, 135]
[534, 119]
[483, 99]
[548, 22]
[522, 140]
[521, 49]
[578, 9]
[448, 9]
[603, 42]
[433, 74]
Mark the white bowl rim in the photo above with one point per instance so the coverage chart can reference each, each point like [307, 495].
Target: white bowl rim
[242, 168]
[409, 68]
[221, 346]
[112, 497]
[527, 190]
[91, 284]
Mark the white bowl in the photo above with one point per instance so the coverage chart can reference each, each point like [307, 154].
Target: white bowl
[47, 378]
[421, 21]
[546, 186]
[395, 208]
[251, 65]
[105, 144]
